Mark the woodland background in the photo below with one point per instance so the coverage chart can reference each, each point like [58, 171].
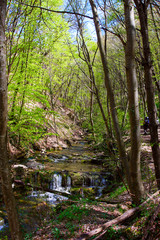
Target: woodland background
[98, 60]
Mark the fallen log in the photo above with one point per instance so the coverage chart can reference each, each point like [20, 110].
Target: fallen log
[120, 219]
[19, 182]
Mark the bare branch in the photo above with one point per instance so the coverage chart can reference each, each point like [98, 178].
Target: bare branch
[116, 34]
[56, 11]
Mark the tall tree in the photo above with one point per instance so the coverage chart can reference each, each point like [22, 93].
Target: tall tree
[135, 182]
[89, 60]
[131, 163]
[4, 166]
[108, 85]
[142, 8]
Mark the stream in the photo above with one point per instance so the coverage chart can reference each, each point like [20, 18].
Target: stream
[75, 170]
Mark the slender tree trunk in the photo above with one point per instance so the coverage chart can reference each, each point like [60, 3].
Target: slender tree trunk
[91, 110]
[87, 59]
[125, 115]
[155, 25]
[110, 93]
[4, 166]
[132, 168]
[135, 182]
[142, 11]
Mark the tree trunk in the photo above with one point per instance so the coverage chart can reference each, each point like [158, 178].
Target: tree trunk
[4, 166]
[110, 93]
[142, 11]
[87, 59]
[135, 182]
[91, 111]
[132, 168]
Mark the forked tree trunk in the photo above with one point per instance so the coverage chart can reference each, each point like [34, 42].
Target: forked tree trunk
[4, 167]
[135, 182]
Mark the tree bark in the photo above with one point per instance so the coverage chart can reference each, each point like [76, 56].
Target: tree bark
[91, 111]
[110, 93]
[135, 182]
[132, 168]
[142, 11]
[4, 166]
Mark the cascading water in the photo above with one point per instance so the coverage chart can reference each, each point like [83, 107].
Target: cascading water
[73, 172]
[56, 183]
[69, 182]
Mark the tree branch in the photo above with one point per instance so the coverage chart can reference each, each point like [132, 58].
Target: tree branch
[55, 11]
[116, 34]
[120, 219]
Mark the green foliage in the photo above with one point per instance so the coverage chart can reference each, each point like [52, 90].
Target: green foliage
[56, 233]
[4, 238]
[112, 233]
[28, 236]
[33, 56]
[73, 212]
[71, 227]
[46, 65]
[30, 128]
[117, 192]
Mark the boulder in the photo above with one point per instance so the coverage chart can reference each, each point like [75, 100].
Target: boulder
[35, 165]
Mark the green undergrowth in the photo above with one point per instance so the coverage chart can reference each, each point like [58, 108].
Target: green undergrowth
[73, 212]
[68, 219]
[118, 191]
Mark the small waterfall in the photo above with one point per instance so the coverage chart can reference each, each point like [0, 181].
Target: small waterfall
[93, 182]
[69, 181]
[56, 182]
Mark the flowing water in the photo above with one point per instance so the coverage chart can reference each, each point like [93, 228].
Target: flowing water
[73, 171]
[1, 223]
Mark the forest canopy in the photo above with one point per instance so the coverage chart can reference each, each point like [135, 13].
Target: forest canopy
[97, 58]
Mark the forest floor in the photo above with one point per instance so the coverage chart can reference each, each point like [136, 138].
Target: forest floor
[71, 218]
[75, 218]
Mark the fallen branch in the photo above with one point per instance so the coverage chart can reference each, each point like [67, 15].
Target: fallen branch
[19, 182]
[120, 219]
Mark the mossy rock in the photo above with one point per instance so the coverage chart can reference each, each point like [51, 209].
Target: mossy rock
[77, 179]
[89, 192]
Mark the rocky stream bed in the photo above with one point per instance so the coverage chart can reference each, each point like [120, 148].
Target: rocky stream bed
[51, 177]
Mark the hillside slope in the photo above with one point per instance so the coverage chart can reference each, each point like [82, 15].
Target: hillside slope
[60, 128]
